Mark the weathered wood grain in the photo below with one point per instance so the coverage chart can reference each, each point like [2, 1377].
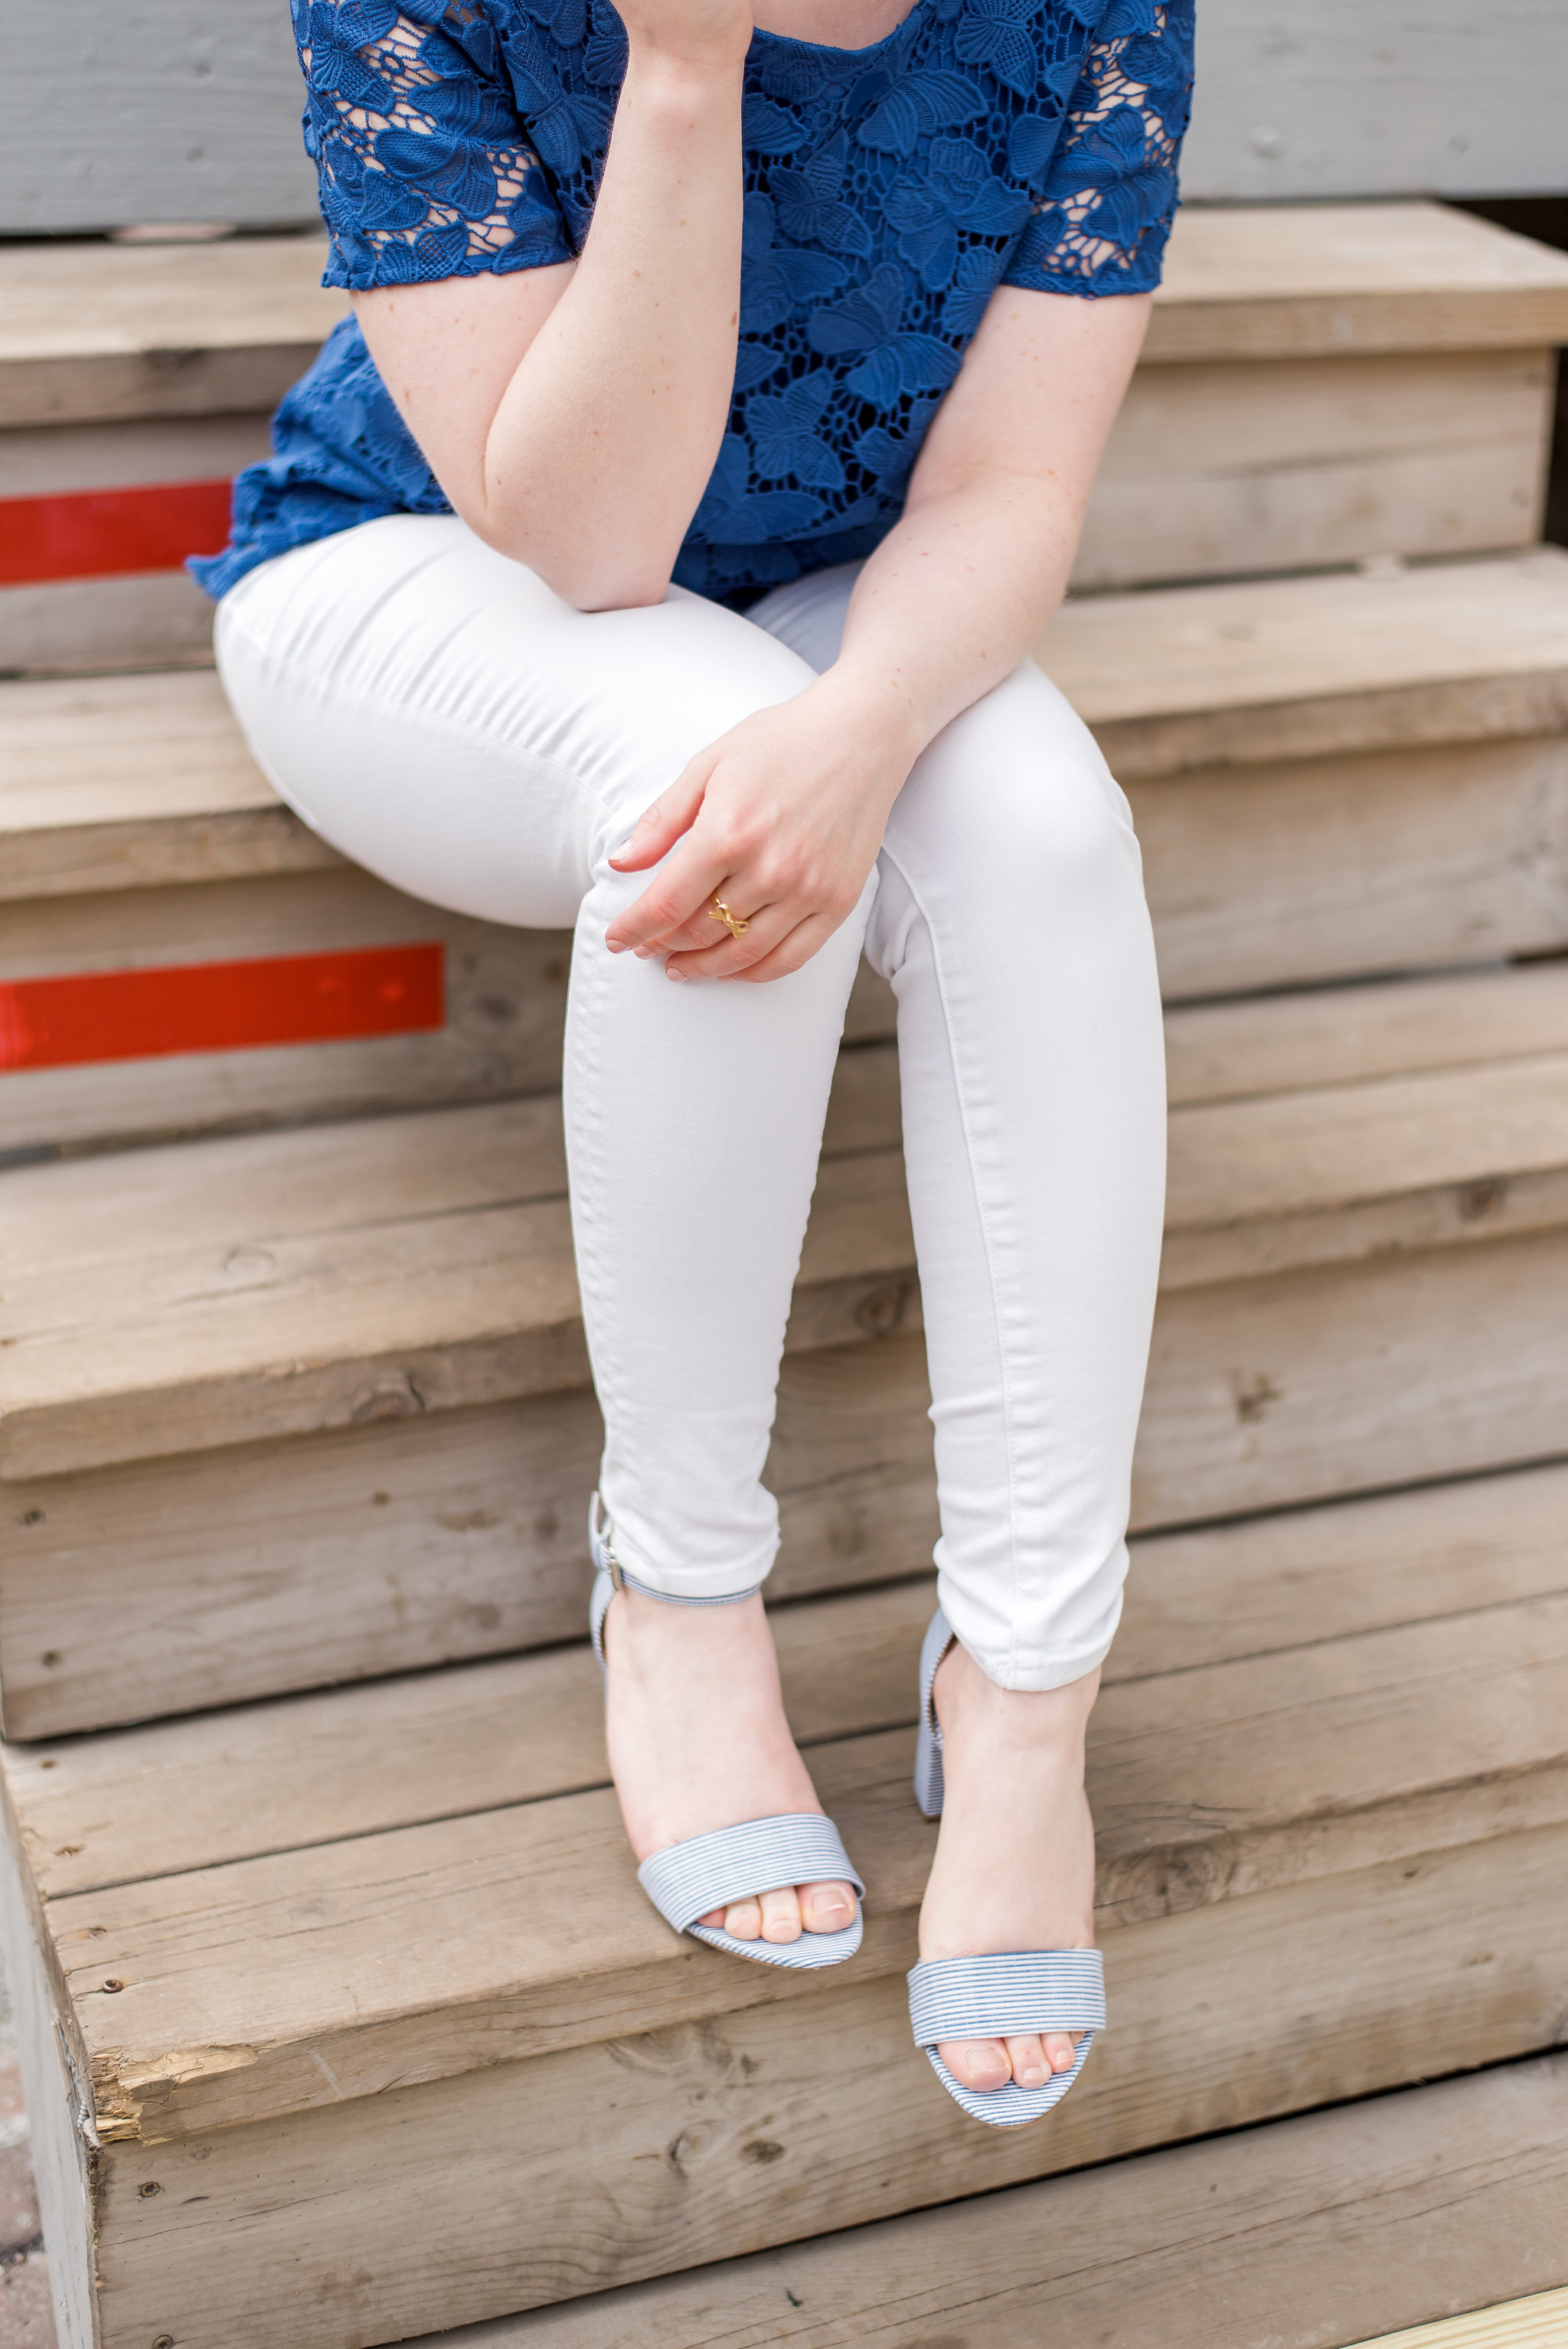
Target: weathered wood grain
[207, 1579]
[148, 619]
[44, 461]
[56, 2101]
[462, 2198]
[374, 1954]
[1374, 1586]
[1301, 668]
[180, 1795]
[1347, 1035]
[210, 1577]
[1279, 281]
[134, 783]
[98, 331]
[1301, 871]
[134, 750]
[505, 999]
[1215, 472]
[1300, 2234]
[222, 1291]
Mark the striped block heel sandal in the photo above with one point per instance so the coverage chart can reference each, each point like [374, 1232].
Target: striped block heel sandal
[686, 1881]
[1000, 1997]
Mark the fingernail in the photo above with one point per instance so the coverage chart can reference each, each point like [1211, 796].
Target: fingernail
[674, 970]
[624, 845]
[615, 946]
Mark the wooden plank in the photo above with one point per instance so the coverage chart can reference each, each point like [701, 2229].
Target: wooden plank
[182, 112]
[1538, 2322]
[1335, 1171]
[56, 2103]
[46, 460]
[151, 619]
[1205, 1608]
[1348, 1035]
[133, 782]
[505, 997]
[460, 2199]
[1211, 471]
[1306, 870]
[97, 331]
[217, 1292]
[1390, 101]
[1298, 2233]
[1389, 1371]
[373, 1954]
[207, 1579]
[1298, 668]
[1280, 281]
[404, 1542]
[91, 772]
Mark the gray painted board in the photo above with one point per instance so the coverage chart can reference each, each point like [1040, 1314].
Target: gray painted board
[115, 111]
[1379, 97]
[133, 110]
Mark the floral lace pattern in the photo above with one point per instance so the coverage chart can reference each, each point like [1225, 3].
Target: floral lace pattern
[889, 191]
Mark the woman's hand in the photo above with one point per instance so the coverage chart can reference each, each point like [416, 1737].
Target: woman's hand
[781, 818]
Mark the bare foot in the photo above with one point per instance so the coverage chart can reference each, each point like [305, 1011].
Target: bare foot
[1014, 1857]
[697, 1738]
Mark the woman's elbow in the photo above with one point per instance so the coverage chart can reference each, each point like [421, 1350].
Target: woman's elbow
[619, 578]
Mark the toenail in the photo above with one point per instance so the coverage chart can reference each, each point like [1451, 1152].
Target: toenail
[1031, 2076]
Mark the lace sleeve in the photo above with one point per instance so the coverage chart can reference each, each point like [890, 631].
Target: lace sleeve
[426, 168]
[1101, 222]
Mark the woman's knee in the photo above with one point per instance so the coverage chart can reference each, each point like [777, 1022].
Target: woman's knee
[1015, 801]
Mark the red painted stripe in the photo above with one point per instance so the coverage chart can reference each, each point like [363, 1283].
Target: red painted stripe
[94, 534]
[221, 1006]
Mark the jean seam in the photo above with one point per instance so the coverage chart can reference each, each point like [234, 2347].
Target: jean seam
[989, 1242]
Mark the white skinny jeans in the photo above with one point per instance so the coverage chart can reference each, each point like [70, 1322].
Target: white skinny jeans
[433, 711]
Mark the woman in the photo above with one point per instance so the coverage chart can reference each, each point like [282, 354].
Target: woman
[821, 314]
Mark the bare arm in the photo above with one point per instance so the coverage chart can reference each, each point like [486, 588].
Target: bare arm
[784, 816]
[572, 414]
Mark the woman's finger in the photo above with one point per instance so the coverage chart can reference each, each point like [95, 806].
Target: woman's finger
[793, 950]
[707, 927]
[727, 958]
[682, 886]
[662, 824]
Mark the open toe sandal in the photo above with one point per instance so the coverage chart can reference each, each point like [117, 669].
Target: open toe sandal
[686, 1881]
[1000, 1997]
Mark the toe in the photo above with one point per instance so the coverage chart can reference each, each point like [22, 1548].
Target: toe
[827, 1908]
[743, 1919]
[781, 1915]
[1030, 2061]
[1059, 2050]
[977, 2062]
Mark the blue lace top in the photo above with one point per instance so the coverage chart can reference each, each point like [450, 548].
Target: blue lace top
[888, 190]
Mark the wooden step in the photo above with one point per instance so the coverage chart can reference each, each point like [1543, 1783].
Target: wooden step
[335, 1441]
[363, 1986]
[1303, 2233]
[1320, 386]
[1330, 777]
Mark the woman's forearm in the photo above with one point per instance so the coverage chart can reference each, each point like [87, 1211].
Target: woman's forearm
[966, 585]
[574, 423]
[954, 598]
[608, 430]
